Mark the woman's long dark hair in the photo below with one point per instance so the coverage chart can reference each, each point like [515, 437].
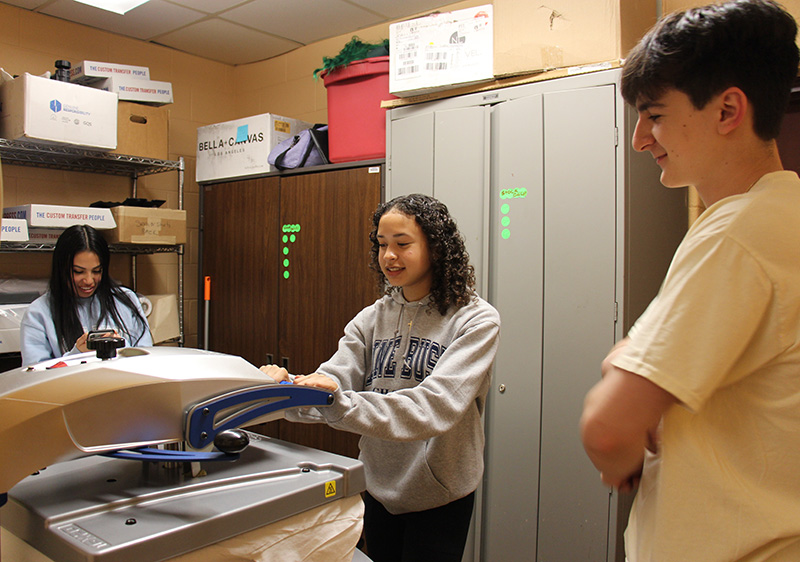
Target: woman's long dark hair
[64, 301]
[453, 277]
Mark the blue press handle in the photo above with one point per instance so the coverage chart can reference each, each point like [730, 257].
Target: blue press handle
[202, 425]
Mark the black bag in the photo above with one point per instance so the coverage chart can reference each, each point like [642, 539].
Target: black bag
[307, 148]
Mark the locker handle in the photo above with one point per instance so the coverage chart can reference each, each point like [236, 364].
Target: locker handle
[285, 363]
[269, 359]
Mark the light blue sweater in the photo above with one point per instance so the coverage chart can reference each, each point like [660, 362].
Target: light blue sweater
[38, 339]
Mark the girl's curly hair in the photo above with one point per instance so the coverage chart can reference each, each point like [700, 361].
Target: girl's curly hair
[453, 277]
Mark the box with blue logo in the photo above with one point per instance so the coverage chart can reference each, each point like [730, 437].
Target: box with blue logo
[50, 111]
[239, 148]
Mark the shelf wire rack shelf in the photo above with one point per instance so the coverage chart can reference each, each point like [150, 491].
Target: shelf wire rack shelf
[27, 153]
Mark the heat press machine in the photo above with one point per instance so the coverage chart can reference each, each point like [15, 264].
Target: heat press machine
[135, 455]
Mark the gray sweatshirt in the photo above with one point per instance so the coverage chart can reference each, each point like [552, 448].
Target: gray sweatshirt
[413, 384]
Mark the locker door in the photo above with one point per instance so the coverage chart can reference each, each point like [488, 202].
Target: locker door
[444, 154]
[410, 156]
[460, 177]
[511, 489]
[579, 301]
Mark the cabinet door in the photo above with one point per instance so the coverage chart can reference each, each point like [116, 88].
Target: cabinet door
[553, 267]
[325, 278]
[240, 253]
[444, 154]
[580, 226]
[412, 153]
[511, 490]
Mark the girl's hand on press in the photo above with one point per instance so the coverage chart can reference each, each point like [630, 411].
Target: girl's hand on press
[316, 380]
[276, 373]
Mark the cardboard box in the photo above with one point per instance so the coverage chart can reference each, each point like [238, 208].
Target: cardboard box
[60, 216]
[44, 235]
[14, 230]
[240, 148]
[89, 71]
[147, 225]
[563, 33]
[10, 319]
[142, 130]
[50, 111]
[163, 317]
[133, 89]
[668, 6]
[441, 51]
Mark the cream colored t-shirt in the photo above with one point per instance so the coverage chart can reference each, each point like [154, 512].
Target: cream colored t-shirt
[723, 337]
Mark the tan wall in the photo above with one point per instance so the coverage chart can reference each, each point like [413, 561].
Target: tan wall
[205, 92]
[284, 84]
[792, 6]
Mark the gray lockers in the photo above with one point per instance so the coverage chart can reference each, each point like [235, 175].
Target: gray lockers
[571, 233]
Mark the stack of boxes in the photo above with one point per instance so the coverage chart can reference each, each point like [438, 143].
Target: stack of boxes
[106, 107]
[450, 53]
[130, 83]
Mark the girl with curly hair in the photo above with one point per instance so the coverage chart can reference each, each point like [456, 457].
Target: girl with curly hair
[411, 376]
[81, 297]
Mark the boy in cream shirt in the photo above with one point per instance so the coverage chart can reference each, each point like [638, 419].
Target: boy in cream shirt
[699, 406]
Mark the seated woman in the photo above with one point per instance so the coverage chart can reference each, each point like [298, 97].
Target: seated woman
[81, 297]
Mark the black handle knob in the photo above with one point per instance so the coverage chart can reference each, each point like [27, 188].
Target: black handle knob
[105, 343]
[231, 441]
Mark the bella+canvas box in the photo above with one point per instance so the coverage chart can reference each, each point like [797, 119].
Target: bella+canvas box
[240, 148]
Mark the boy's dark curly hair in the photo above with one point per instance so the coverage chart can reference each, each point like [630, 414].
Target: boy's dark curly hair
[453, 277]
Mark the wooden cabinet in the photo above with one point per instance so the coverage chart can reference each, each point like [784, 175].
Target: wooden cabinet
[288, 259]
[241, 237]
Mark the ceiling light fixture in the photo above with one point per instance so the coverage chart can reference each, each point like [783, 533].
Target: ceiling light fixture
[116, 6]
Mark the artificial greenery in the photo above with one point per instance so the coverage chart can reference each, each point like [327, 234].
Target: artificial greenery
[356, 49]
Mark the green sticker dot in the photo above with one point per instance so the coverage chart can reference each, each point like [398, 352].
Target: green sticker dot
[285, 274]
[505, 221]
[285, 251]
[506, 233]
[292, 238]
[505, 208]
[285, 239]
[285, 263]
